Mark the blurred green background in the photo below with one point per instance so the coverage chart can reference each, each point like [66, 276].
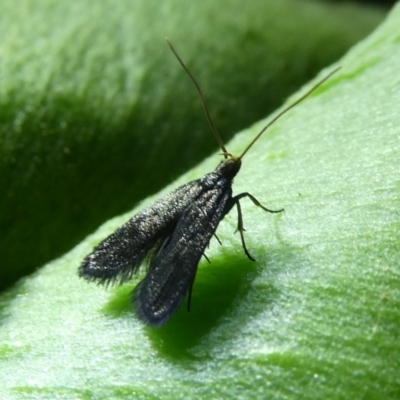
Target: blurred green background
[96, 114]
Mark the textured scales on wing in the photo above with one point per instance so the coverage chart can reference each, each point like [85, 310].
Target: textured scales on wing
[173, 269]
[119, 256]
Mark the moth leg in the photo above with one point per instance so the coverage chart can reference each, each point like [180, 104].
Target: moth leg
[240, 227]
[255, 201]
[204, 255]
[189, 300]
[216, 237]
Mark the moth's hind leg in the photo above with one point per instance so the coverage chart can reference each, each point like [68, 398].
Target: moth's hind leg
[240, 227]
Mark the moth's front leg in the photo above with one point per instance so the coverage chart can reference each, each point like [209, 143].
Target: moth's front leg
[236, 201]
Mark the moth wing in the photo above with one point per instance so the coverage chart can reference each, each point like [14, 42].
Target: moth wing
[173, 269]
[119, 256]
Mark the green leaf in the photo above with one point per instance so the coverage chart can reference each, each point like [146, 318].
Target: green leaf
[316, 317]
[96, 113]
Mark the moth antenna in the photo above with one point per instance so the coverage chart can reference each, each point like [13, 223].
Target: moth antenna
[203, 101]
[284, 111]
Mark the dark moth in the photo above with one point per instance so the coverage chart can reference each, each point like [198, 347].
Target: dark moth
[174, 232]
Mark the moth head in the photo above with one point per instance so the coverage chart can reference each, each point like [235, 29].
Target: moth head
[230, 167]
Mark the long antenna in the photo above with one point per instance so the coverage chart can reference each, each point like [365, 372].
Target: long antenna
[203, 101]
[288, 108]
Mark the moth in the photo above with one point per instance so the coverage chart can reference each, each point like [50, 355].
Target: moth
[174, 232]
